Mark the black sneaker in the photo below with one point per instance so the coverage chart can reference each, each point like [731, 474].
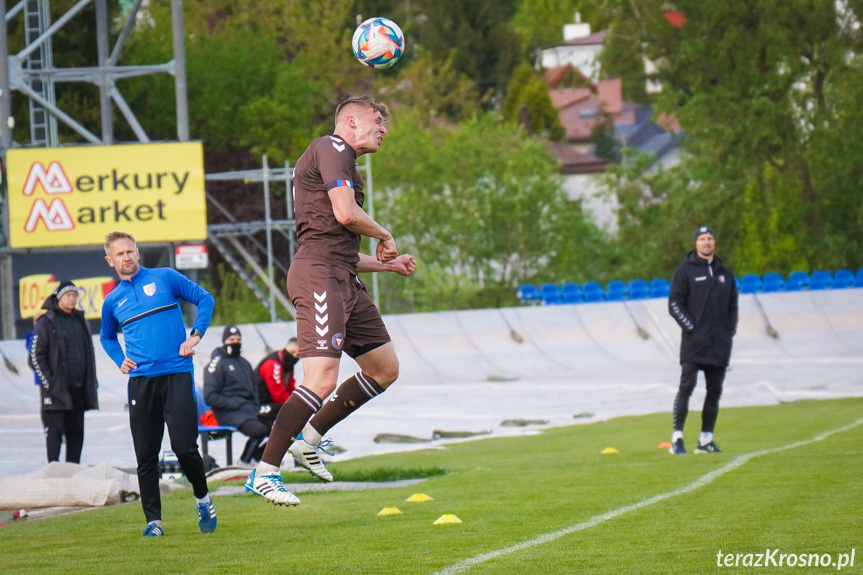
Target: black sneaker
[708, 448]
[677, 448]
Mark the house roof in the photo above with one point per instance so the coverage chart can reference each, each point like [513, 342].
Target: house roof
[563, 98]
[572, 161]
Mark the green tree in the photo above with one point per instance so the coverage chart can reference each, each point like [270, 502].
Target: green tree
[622, 57]
[481, 206]
[480, 32]
[434, 86]
[527, 102]
[603, 139]
[281, 123]
[767, 93]
[539, 23]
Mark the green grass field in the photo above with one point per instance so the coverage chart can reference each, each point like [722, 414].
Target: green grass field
[537, 504]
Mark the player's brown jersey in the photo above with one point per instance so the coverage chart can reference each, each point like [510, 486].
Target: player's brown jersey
[328, 162]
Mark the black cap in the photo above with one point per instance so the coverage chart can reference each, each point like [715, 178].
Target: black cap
[229, 331]
[701, 230]
[64, 287]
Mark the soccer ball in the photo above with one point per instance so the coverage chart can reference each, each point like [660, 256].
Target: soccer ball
[378, 43]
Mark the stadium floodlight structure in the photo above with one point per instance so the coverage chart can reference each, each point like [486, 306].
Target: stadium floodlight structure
[31, 72]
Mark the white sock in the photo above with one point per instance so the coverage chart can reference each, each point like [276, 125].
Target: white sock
[265, 469]
[678, 434]
[205, 499]
[311, 436]
[705, 437]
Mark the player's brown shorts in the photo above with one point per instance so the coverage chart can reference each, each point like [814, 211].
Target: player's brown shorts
[334, 311]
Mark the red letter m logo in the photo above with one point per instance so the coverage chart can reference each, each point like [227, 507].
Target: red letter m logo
[54, 180]
[55, 216]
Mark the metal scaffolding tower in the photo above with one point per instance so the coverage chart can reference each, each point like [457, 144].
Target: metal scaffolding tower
[225, 237]
[31, 72]
[43, 125]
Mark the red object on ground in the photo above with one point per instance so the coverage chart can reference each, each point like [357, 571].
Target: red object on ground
[675, 18]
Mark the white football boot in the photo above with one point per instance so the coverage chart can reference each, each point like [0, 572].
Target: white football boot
[271, 488]
[307, 456]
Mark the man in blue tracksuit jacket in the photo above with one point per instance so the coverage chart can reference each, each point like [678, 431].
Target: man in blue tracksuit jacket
[145, 306]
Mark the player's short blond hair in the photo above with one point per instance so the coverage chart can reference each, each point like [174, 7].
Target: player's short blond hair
[114, 236]
[364, 102]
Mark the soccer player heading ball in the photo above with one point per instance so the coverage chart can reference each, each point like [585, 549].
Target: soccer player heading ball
[334, 311]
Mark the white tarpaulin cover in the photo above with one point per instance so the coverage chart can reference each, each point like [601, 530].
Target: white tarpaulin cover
[66, 485]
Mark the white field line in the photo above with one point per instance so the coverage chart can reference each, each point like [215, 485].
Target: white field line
[466, 564]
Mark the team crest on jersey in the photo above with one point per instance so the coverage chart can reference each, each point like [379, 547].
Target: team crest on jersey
[338, 340]
[150, 289]
[722, 279]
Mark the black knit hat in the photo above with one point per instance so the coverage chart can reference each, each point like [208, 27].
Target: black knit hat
[65, 286]
[229, 331]
[701, 230]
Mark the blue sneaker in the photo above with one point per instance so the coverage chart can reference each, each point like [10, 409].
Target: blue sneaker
[154, 529]
[708, 448]
[207, 517]
[271, 488]
[677, 448]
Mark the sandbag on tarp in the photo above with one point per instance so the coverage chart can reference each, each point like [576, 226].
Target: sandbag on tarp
[67, 485]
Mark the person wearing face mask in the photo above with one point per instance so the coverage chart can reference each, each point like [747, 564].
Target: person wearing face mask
[230, 390]
[276, 381]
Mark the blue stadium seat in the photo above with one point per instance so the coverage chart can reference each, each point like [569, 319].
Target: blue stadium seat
[773, 282]
[824, 279]
[843, 279]
[801, 277]
[820, 280]
[528, 293]
[592, 291]
[659, 287]
[794, 285]
[639, 289]
[571, 293]
[550, 294]
[750, 283]
[858, 279]
[616, 290]
[212, 432]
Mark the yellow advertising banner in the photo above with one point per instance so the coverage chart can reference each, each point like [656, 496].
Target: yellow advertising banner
[77, 195]
[34, 290]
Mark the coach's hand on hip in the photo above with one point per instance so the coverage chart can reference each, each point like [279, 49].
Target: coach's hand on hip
[127, 366]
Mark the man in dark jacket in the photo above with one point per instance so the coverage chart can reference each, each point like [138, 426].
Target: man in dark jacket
[229, 388]
[62, 357]
[703, 301]
[275, 380]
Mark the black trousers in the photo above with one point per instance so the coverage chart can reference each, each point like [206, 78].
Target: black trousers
[256, 430]
[154, 402]
[66, 422]
[714, 376]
